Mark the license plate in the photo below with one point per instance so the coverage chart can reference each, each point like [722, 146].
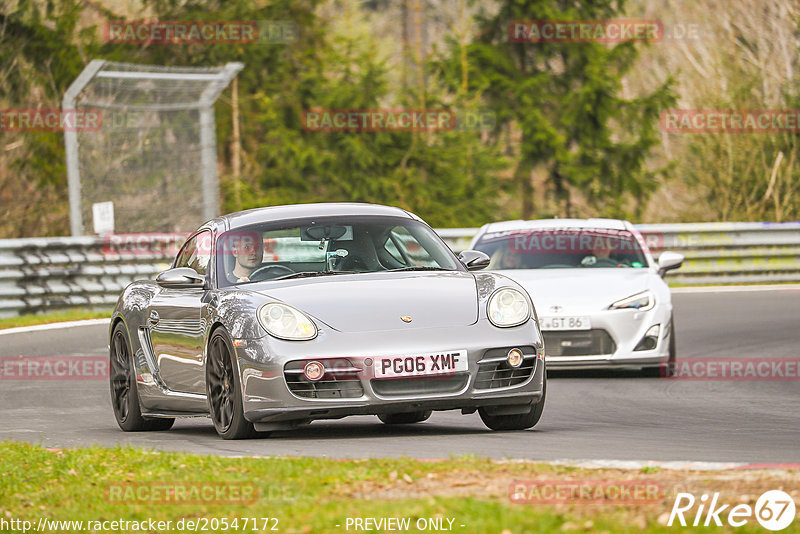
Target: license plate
[565, 323]
[447, 362]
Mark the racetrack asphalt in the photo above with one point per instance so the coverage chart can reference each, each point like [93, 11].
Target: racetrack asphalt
[588, 416]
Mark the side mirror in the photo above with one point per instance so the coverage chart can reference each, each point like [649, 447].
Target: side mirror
[180, 278]
[667, 261]
[474, 260]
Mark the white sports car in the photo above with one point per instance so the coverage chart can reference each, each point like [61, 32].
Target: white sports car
[601, 297]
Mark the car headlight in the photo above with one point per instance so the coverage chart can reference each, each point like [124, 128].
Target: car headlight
[508, 307]
[640, 301]
[285, 322]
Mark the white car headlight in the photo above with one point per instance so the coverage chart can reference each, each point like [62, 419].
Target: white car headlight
[508, 307]
[640, 301]
[285, 322]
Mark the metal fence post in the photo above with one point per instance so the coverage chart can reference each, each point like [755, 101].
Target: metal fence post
[208, 155]
[146, 107]
[71, 147]
[210, 180]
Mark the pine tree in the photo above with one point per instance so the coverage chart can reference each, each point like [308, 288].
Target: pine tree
[563, 100]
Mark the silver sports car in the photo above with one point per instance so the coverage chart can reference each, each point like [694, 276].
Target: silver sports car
[271, 318]
[601, 295]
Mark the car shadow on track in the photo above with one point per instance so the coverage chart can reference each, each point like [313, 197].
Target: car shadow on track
[379, 430]
[326, 430]
[598, 373]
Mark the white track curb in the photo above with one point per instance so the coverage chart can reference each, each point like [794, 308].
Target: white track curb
[53, 326]
[735, 289]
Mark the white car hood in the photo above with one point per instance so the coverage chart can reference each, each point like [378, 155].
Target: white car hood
[584, 290]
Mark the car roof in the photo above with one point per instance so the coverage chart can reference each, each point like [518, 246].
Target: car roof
[299, 211]
[537, 224]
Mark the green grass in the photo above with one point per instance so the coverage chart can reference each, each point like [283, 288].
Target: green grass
[305, 494]
[54, 317]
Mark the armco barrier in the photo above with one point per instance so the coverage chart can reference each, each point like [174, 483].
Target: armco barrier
[716, 253]
[55, 273]
[67, 272]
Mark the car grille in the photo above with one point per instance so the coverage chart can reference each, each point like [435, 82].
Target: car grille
[578, 342]
[429, 385]
[340, 381]
[498, 374]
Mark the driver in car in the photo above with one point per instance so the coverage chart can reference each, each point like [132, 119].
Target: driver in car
[601, 250]
[505, 258]
[247, 249]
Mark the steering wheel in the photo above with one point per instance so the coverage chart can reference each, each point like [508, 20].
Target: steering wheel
[353, 263]
[266, 269]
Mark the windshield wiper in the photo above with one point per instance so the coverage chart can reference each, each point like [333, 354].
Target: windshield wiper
[304, 274]
[309, 274]
[417, 268]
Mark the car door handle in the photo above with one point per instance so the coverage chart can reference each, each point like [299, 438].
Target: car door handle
[154, 317]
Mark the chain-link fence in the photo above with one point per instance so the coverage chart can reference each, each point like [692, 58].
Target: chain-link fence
[146, 143]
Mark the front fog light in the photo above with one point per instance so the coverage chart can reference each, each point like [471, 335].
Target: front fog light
[650, 339]
[313, 371]
[515, 357]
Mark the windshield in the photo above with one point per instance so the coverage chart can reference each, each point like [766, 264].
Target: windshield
[567, 248]
[328, 246]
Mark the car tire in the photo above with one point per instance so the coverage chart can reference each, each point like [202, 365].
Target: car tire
[521, 421]
[405, 418]
[224, 390]
[668, 368]
[122, 382]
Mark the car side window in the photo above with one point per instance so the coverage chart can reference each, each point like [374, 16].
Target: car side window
[196, 253]
[392, 250]
[412, 248]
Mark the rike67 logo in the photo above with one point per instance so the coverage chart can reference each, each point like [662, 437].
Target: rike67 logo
[774, 510]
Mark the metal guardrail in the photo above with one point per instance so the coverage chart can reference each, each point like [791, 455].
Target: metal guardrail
[57, 273]
[716, 253]
[732, 253]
